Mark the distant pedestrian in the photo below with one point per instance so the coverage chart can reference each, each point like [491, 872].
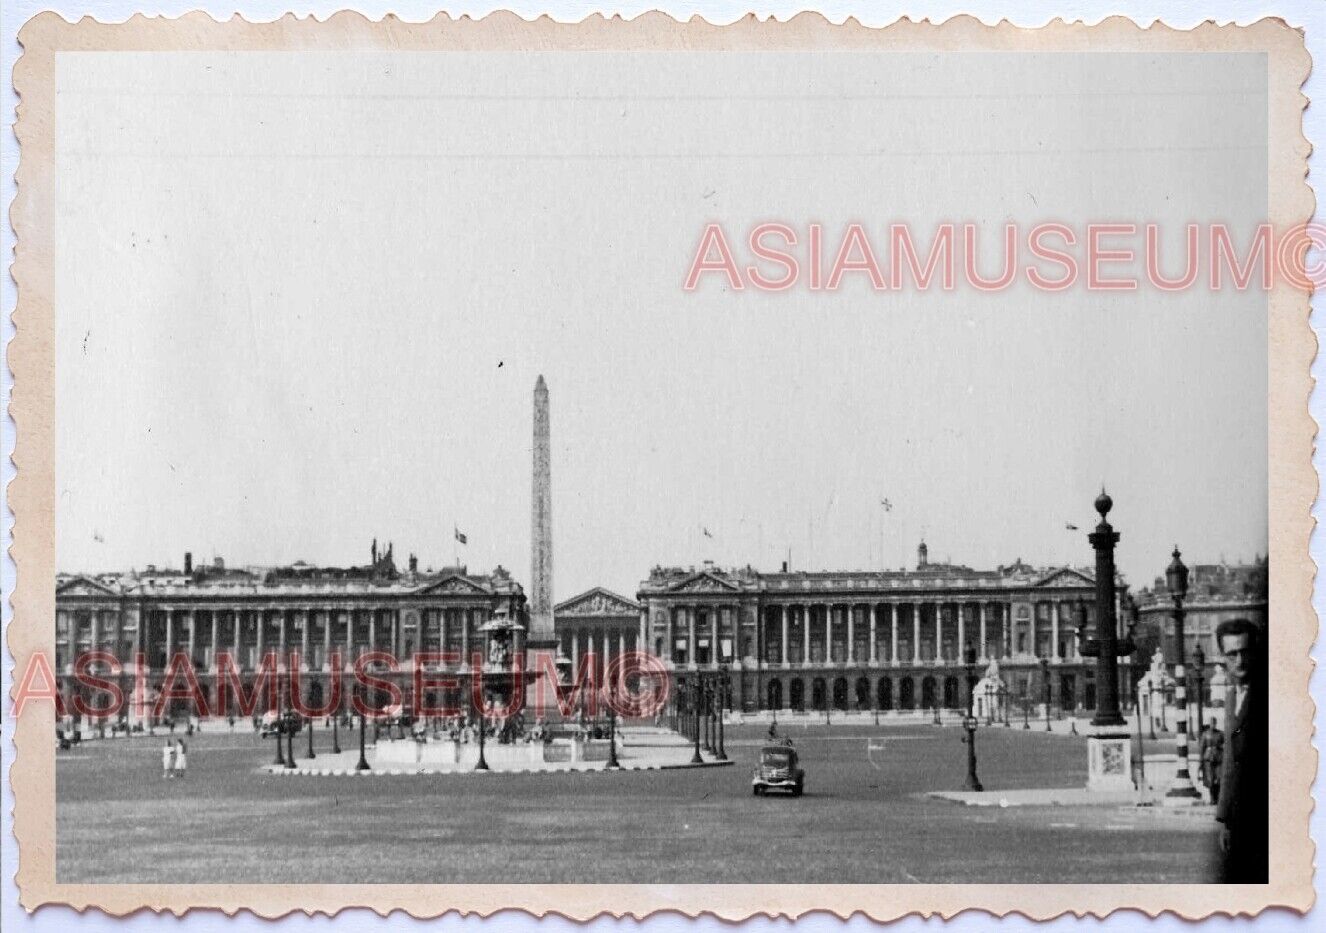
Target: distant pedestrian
[181, 758]
[1242, 805]
[1212, 753]
[168, 760]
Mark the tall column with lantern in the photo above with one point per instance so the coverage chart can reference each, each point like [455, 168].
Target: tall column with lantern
[1109, 748]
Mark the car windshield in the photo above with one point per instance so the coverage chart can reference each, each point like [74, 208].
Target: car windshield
[777, 759]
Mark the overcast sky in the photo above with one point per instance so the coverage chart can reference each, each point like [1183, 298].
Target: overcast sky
[302, 301]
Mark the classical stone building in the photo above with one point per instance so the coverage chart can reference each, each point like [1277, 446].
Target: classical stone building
[1216, 593]
[600, 622]
[798, 640]
[202, 611]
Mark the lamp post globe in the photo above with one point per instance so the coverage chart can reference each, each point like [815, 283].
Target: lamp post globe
[1176, 576]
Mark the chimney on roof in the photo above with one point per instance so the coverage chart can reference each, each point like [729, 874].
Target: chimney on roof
[414, 564]
[188, 563]
[784, 566]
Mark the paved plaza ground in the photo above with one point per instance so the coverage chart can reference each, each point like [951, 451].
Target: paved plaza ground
[860, 821]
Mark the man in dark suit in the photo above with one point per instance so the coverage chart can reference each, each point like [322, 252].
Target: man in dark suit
[1242, 807]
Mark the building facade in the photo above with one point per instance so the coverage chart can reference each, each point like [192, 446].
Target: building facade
[787, 640]
[315, 611]
[597, 623]
[892, 640]
[1216, 593]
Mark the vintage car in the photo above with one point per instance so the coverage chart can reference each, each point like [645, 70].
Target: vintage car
[778, 769]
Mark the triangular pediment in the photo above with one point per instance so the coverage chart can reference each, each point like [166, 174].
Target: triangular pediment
[1064, 578]
[704, 582]
[598, 602]
[85, 586]
[454, 585]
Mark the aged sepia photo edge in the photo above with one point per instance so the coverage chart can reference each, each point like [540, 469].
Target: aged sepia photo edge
[1292, 490]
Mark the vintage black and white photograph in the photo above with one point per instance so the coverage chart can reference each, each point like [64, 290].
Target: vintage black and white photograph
[762, 465]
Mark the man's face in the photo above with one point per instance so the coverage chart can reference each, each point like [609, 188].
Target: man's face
[1238, 657]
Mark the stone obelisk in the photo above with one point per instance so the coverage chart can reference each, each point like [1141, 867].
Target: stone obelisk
[541, 556]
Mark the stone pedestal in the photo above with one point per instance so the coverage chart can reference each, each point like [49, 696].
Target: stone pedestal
[1110, 762]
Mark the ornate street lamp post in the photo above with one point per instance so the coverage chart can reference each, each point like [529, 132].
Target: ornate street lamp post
[612, 763]
[482, 763]
[290, 721]
[969, 721]
[277, 725]
[1199, 674]
[693, 709]
[1181, 790]
[310, 738]
[722, 705]
[696, 690]
[1045, 678]
[710, 715]
[708, 700]
[1134, 663]
[363, 761]
[1151, 706]
[336, 730]
[1026, 707]
[689, 716]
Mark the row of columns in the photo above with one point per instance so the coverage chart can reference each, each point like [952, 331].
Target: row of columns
[602, 641]
[437, 627]
[686, 617]
[892, 622]
[690, 614]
